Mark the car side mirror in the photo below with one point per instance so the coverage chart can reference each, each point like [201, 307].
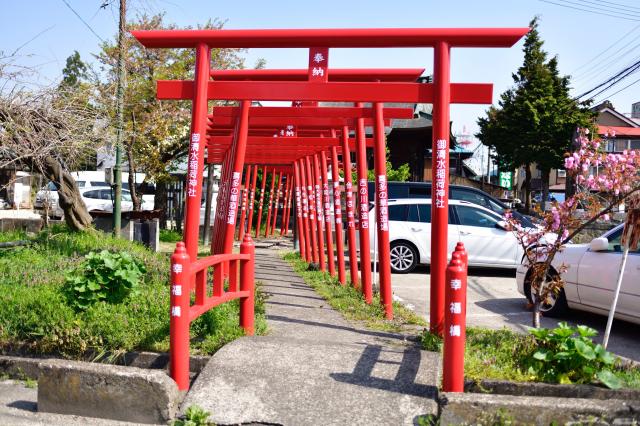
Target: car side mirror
[599, 244]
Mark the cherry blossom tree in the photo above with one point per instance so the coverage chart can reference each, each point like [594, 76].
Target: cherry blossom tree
[604, 181]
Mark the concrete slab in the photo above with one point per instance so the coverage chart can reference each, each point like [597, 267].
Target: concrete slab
[315, 367]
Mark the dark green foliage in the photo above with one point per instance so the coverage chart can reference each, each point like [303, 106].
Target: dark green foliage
[170, 236]
[568, 355]
[102, 277]
[194, 416]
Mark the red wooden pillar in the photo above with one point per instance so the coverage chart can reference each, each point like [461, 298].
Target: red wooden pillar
[305, 212]
[350, 208]
[197, 143]
[312, 211]
[276, 204]
[285, 206]
[270, 204]
[337, 214]
[382, 211]
[440, 188]
[236, 176]
[301, 236]
[179, 317]
[261, 202]
[319, 212]
[252, 197]
[216, 242]
[363, 210]
[327, 213]
[245, 198]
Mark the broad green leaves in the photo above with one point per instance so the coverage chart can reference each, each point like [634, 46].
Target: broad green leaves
[568, 355]
[103, 276]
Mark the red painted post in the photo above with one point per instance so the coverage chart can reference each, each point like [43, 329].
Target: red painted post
[276, 204]
[440, 189]
[261, 202]
[454, 325]
[327, 213]
[363, 210]
[350, 208]
[197, 143]
[245, 197]
[301, 236]
[236, 176]
[179, 323]
[284, 224]
[319, 212]
[289, 204]
[252, 198]
[247, 269]
[463, 254]
[270, 205]
[305, 212]
[312, 211]
[382, 210]
[337, 214]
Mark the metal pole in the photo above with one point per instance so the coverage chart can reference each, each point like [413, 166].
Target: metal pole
[337, 214]
[363, 209]
[440, 190]
[197, 142]
[117, 168]
[382, 211]
[614, 303]
[350, 208]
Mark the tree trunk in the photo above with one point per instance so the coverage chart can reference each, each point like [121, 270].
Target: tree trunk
[160, 203]
[527, 188]
[545, 189]
[137, 202]
[75, 212]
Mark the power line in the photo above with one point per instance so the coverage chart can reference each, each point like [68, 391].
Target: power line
[605, 50]
[609, 8]
[622, 6]
[605, 64]
[624, 88]
[620, 76]
[83, 21]
[590, 11]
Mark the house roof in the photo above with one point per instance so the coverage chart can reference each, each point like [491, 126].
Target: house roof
[619, 131]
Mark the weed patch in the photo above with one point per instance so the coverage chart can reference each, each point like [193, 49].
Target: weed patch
[35, 315]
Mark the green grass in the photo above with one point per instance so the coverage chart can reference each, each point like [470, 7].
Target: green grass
[170, 236]
[35, 316]
[349, 301]
[502, 354]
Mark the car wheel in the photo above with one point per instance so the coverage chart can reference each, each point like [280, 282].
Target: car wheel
[404, 257]
[556, 303]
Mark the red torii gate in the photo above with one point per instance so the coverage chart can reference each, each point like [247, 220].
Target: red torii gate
[441, 93]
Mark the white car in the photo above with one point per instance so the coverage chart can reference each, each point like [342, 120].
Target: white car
[48, 195]
[483, 232]
[101, 199]
[590, 279]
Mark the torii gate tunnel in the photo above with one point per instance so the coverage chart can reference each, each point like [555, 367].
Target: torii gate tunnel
[309, 138]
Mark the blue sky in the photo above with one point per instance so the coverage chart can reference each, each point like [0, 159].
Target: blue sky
[576, 36]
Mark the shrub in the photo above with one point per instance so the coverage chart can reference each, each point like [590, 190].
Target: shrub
[568, 355]
[170, 236]
[103, 276]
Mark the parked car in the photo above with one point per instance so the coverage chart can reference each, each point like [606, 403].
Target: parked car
[102, 200]
[398, 190]
[483, 232]
[49, 195]
[590, 279]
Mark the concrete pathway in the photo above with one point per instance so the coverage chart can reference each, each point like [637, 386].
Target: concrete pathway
[314, 367]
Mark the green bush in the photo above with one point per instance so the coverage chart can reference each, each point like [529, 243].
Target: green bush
[568, 355]
[170, 236]
[104, 276]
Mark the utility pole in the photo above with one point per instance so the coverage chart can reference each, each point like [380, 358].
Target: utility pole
[117, 169]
